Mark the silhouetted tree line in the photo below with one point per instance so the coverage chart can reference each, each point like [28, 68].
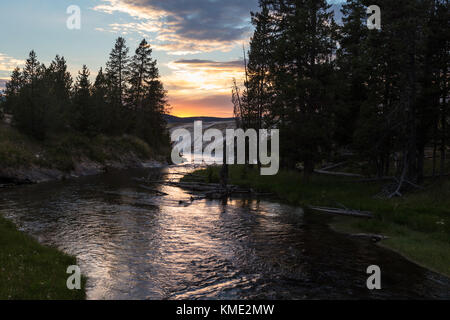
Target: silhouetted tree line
[328, 87]
[125, 98]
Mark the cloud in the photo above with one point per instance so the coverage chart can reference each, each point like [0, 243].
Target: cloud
[3, 84]
[7, 64]
[202, 87]
[211, 64]
[186, 27]
[213, 106]
[202, 76]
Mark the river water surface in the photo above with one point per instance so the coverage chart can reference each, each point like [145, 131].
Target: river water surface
[132, 244]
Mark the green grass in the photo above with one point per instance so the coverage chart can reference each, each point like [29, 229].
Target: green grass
[30, 271]
[61, 151]
[418, 224]
[14, 148]
[422, 248]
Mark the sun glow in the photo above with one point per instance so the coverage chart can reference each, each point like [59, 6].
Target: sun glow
[202, 87]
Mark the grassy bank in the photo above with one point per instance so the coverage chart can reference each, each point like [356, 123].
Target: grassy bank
[418, 224]
[63, 150]
[29, 270]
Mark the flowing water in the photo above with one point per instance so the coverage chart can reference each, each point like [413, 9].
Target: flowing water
[134, 244]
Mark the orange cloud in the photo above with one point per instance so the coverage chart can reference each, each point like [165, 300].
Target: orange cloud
[202, 87]
[212, 106]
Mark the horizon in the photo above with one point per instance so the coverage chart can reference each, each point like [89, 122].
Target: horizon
[198, 47]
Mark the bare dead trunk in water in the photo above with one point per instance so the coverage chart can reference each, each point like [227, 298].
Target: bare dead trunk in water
[224, 170]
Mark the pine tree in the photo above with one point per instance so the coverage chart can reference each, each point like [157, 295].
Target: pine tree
[12, 91]
[260, 59]
[99, 100]
[83, 115]
[150, 125]
[142, 70]
[116, 74]
[30, 112]
[30, 72]
[252, 106]
[369, 90]
[353, 71]
[302, 74]
[59, 86]
[146, 97]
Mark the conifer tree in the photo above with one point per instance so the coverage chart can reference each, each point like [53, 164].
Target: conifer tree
[83, 115]
[12, 91]
[302, 72]
[116, 74]
[30, 113]
[59, 87]
[353, 70]
[100, 104]
[146, 97]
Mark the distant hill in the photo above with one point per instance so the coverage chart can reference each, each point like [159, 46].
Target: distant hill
[173, 119]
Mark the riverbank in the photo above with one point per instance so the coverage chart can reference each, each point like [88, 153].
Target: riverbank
[24, 160]
[418, 224]
[30, 271]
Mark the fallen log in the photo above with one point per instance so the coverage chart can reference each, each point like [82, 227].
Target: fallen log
[373, 237]
[340, 174]
[344, 212]
[334, 166]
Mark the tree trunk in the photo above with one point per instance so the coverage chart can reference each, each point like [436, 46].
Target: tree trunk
[224, 170]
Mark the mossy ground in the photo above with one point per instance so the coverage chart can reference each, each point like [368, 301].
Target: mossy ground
[62, 150]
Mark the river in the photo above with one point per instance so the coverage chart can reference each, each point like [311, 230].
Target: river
[132, 244]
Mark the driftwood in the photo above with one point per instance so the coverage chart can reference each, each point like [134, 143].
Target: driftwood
[373, 237]
[334, 166]
[340, 174]
[344, 212]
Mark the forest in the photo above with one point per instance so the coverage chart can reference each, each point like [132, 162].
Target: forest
[339, 91]
[125, 98]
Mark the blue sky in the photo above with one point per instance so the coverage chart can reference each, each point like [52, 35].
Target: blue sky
[198, 43]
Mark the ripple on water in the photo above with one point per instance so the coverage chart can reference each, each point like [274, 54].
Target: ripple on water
[132, 244]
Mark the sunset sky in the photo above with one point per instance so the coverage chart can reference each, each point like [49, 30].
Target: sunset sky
[198, 43]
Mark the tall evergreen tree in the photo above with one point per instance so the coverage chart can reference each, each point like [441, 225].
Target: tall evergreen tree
[142, 70]
[33, 103]
[302, 73]
[352, 72]
[116, 74]
[259, 95]
[84, 116]
[146, 97]
[31, 70]
[59, 87]
[99, 100]
[12, 91]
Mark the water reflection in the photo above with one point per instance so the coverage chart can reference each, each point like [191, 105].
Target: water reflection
[134, 244]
